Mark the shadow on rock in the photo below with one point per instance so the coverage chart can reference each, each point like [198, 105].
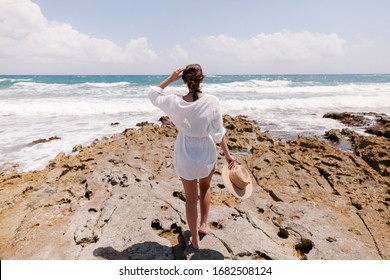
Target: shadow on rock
[140, 251]
[156, 251]
[202, 254]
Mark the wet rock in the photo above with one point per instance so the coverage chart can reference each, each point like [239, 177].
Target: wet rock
[375, 151]
[350, 119]
[377, 124]
[334, 135]
[381, 128]
[44, 140]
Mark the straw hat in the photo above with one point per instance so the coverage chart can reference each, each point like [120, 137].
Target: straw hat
[237, 180]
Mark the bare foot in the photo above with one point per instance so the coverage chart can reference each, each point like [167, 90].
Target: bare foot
[202, 231]
[194, 245]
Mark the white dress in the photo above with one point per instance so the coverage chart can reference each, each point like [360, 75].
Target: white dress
[200, 126]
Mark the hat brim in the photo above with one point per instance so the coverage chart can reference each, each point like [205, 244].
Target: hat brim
[237, 192]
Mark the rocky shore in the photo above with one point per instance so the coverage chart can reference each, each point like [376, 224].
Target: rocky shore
[119, 198]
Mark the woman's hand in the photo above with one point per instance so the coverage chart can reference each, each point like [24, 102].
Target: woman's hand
[231, 161]
[173, 77]
[176, 74]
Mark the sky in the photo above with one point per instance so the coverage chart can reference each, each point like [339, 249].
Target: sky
[119, 37]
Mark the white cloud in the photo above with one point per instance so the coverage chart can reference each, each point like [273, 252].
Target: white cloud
[272, 49]
[29, 43]
[27, 36]
[281, 52]
[178, 54]
[19, 18]
[138, 50]
[363, 43]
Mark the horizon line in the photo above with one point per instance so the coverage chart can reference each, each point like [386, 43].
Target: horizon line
[211, 74]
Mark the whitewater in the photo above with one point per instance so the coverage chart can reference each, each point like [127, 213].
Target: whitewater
[80, 109]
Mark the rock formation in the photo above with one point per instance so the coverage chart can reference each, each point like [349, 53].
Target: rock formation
[119, 198]
[374, 123]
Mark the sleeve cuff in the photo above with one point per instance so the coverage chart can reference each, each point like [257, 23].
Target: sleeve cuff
[157, 89]
[219, 136]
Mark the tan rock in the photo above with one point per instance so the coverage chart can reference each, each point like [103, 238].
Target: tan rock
[119, 198]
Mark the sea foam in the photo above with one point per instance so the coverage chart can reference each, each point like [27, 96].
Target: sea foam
[79, 109]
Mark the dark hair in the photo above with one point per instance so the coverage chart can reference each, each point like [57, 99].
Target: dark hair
[192, 76]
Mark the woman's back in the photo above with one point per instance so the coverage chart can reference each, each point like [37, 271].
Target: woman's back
[200, 118]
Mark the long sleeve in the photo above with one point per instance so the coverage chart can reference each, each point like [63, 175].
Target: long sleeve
[217, 131]
[166, 103]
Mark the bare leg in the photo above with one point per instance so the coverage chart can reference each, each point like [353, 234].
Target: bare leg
[191, 194]
[205, 198]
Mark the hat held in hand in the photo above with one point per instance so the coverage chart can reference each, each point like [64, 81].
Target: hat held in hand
[237, 180]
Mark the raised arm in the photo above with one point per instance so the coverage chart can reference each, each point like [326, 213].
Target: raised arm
[173, 77]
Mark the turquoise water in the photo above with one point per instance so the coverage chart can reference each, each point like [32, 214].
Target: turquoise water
[80, 109]
[144, 80]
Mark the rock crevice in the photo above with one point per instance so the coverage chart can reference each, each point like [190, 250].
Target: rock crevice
[120, 198]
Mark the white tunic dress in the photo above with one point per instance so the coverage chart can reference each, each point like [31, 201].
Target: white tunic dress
[200, 126]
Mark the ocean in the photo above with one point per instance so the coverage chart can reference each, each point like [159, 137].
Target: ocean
[80, 109]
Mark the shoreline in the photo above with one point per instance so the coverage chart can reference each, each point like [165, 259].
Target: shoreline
[369, 122]
[80, 110]
[310, 200]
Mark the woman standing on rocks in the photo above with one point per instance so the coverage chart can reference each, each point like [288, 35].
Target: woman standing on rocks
[199, 121]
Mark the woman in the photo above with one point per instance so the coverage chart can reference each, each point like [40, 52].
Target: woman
[199, 121]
